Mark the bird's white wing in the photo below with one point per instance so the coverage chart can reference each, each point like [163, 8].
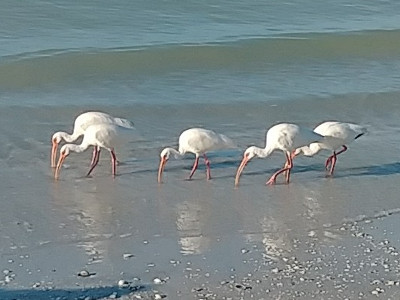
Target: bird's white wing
[292, 136]
[200, 142]
[83, 121]
[105, 138]
[339, 130]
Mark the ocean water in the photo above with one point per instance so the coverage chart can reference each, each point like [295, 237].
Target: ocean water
[128, 52]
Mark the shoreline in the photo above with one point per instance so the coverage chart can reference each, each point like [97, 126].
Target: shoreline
[317, 237]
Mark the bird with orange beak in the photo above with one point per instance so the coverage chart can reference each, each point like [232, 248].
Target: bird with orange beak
[106, 136]
[198, 141]
[285, 137]
[82, 122]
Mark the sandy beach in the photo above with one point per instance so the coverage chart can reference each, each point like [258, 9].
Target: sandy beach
[131, 238]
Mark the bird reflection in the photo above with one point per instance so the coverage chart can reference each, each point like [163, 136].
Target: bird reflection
[279, 225]
[188, 223]
[84, 209]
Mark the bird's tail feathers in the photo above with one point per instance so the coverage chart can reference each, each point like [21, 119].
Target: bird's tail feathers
[124, 123]
[360, 129]
[227, 141]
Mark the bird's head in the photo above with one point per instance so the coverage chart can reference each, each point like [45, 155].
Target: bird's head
[57, 137]
[247, 156]
[64, 152]
[164, 156]
[55, 140]
[250, 152]
[298, 151]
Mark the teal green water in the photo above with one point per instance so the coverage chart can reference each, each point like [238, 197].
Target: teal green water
[129, 52]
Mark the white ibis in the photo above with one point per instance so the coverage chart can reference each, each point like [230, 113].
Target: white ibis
[198, 141]
[337, 135]
[285, 137]
[82, 122]
[107, 136]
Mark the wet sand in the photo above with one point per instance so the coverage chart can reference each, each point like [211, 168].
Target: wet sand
[317, 238]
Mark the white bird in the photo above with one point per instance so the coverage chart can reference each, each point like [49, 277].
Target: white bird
[198, 141]
[285, 137]
[107, 136]
[337, 135]
[82, 122]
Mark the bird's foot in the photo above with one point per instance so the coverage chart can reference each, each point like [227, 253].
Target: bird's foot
[271, 181]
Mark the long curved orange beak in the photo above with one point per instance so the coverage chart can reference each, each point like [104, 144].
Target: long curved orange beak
[244, 162]
[53, 154]
[163, 162]
[59, 164]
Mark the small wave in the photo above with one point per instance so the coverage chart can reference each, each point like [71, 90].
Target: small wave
[59, 66]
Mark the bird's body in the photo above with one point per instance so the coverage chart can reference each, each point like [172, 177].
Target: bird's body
[337, 135]
[285, 137]
[82, 122]
[198, 141]
[107, 136]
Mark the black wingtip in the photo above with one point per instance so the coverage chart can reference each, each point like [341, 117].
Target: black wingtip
[361, 134]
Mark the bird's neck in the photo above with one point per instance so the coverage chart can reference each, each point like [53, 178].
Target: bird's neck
[311, 149]
[69, 138]
[263, 152]
[177, 154]
[78, 148]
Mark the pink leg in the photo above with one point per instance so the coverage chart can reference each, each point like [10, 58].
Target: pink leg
[285, 166]
[95, 160]
[333, 163]
[93, 155]
[288, 167]
[113, 162]
[330, 158]
[328, 162]
[207, 163]
[196, 163]
[287, 172]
